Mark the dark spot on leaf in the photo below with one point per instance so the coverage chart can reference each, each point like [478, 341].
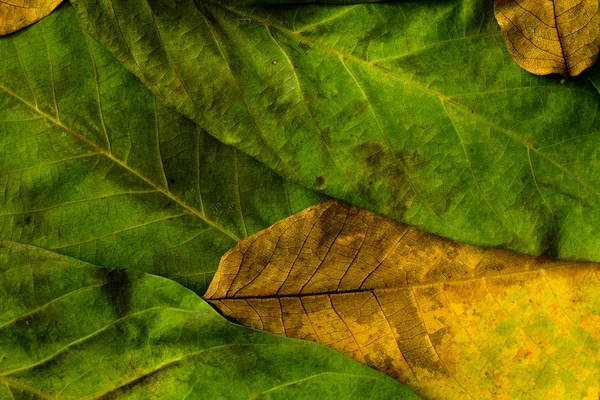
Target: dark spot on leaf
[319, 183]
[550, 241]
[206, 12]
[361, 106]
[304, 46]
[437, 337]
[131, 386]
[399, 209]
[373, 162]
[118, 288]
[410, 157]
[171, 181]
[371, 154]
[26, 220]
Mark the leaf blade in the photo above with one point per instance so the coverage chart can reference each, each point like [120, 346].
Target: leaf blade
[143, 335]
[552, 37]
[434, 127]
[444, 318]
[19, 14]
[96, 168]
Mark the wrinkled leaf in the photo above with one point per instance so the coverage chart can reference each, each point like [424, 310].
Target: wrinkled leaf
[17, 14]
[71, 330]
[92, 166]
[449, 320]
[413, 109]
[546, 37]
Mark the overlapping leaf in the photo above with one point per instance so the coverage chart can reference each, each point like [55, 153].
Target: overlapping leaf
[413, 109]
[17, 14]
[449, 320]
[92, 166]
[70, 330]
[557, 36]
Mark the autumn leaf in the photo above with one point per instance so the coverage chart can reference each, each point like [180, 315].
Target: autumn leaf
[71, 330]
[447, 319]
[94, 167]
[17, 14]
[414, 110]
[545, 37]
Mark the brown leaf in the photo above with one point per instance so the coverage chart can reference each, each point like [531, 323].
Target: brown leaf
[447, 319]
[550, 36]
[17, 14]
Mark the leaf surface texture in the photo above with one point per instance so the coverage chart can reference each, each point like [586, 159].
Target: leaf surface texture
[71, 330]
[94, 167]
[17, 14]
[412, 109]
[545, 37]
[447, 319]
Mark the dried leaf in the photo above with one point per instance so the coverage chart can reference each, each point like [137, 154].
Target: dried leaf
[17, 14]
[449, 320]
[71, 330]
[556, 36]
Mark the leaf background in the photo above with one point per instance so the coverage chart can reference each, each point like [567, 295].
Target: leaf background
[414, 110]
[143, 336]
[411, 109]
[96, 168]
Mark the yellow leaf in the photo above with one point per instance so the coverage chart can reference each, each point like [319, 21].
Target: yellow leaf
[17, 14]
[551, 36]
[448, 319]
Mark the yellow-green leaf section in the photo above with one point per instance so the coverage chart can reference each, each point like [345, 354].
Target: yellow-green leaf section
[17, 14]
[449, 320]
[557, 36]
[412, 109]
[71, 330]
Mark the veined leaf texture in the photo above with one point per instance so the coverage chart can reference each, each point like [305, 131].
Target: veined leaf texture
[557, 36]
[71, 330]
[447, 319]
[94, 167]
[412, 109]
[246, 110]
[17, 14]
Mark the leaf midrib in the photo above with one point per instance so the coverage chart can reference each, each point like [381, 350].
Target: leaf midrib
[99, 150]
[540, 269]
[443, 98]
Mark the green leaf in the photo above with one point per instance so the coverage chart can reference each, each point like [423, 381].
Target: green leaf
[412, 109]
[593, 75]
[94, 167]
[73, 330]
